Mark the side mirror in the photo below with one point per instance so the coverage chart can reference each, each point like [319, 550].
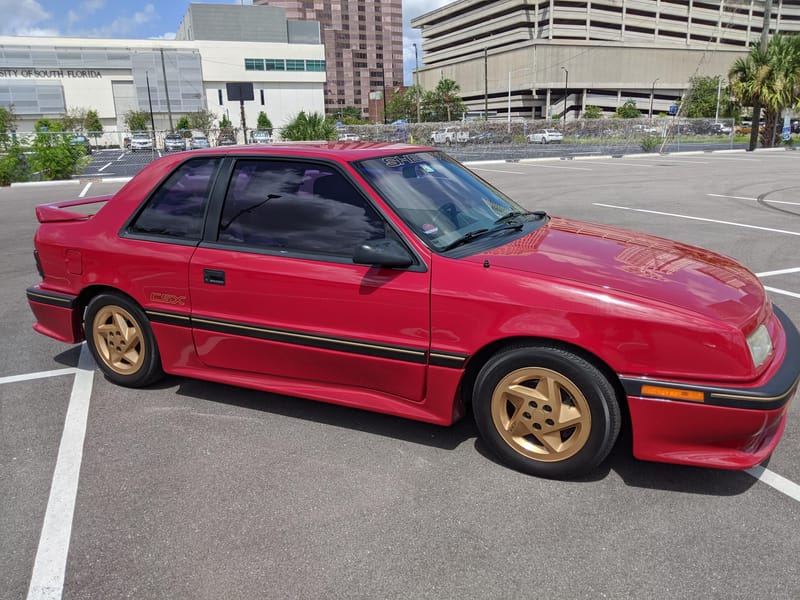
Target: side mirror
[387, 254]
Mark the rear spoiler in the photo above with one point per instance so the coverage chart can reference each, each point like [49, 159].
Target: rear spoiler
[58, 211]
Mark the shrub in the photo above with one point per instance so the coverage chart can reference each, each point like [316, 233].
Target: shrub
[14, 166]
[650, 142]
[54, 157]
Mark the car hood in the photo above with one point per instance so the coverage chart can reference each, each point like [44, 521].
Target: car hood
[635, 263]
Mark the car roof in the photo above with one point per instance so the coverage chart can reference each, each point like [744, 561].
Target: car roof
[339, 151]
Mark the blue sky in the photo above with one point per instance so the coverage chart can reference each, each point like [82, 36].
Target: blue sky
[137, 19]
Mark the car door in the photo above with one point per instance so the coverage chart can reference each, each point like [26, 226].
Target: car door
[276, 292]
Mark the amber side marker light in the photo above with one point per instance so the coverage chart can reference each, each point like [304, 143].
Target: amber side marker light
[665, 392]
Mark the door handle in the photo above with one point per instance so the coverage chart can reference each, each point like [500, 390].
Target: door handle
[214, 276]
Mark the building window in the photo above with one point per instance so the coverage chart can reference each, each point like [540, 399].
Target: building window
[253, 64]
[274, 64]
[295, 64]
[315, 65]
[219, 96]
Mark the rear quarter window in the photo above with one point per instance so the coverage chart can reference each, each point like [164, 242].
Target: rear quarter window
[177, 208]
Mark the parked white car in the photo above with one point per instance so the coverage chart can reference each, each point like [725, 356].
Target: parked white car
[349, 137]
[545, 136]
[450, 135]
[141, 141]
[260, 136]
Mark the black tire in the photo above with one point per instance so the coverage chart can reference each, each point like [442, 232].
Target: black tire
[121, 341]
[546, 411]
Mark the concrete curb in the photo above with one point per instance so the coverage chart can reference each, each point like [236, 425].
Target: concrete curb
[43, 183]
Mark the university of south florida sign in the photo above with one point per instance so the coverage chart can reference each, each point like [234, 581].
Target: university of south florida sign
[49, 74]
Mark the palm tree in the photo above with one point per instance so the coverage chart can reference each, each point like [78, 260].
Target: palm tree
[313, 126]
[447, 91]
[770, 79]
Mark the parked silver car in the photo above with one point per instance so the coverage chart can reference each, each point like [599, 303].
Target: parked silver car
[174, 142]
[199, 141]
[141, 141]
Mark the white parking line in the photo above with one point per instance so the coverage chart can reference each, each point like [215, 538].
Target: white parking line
[731, 158]
[496, 170]
[754, 199]
[774, 480]
[84, 190]
[622, 164]
[47, 580]
[104, 167]
[779, 272]
[121, 156]
[556, 167]
[688, 160]
[779, 291]
[39, 375]
[691, 218]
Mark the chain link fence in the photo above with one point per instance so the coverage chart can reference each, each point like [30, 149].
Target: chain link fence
[124, 153]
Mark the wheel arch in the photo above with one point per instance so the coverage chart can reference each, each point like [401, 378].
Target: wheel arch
[482, 356]
[92, 291]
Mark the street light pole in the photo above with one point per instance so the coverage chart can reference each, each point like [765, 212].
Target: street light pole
[485, 84]
[383, 83]
[150, 102]
[566, 85]
[416, 77]
[652, 92]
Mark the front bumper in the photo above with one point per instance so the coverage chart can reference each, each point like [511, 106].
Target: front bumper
[730, 428]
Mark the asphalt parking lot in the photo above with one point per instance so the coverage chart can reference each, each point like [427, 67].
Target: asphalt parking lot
[202, 491]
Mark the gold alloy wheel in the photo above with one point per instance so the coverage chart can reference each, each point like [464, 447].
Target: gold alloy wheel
[118, 340]
[541, 414]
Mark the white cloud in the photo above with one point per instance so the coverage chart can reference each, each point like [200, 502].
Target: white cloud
[411, 10]
[169, 35]
[23, 17]
[126, 24]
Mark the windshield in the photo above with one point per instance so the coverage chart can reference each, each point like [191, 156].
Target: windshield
[437, 197]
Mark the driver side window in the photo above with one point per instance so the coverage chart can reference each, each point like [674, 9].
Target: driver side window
[296, 207]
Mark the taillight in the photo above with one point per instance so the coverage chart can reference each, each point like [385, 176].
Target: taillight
[38, 263]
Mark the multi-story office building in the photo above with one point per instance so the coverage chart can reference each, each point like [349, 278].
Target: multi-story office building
[545, 57]
[216, 44]
[363, 47]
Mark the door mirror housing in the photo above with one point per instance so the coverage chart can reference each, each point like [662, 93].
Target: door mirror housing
[384, 253]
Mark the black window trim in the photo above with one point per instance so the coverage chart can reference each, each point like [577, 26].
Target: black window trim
[125, 231]
[220, 190]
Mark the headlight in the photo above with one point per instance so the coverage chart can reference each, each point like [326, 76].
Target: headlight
[760, 345]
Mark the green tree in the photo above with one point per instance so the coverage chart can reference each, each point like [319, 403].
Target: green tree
[312, 126]
[137, 120]
[770, 78]
[183, 127]
[446, 93]
[402, 105]
[74, 119]
[263, 121]
[592, 112]
[350, 115]
[13, 165]
[202, 120]
[93, 124]
[628, 110]
[701, 99]
[8, 122]
[54, 157]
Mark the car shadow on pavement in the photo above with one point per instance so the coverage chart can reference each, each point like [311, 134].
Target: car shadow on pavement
[655, 476]
[634, 473]
[674, 478]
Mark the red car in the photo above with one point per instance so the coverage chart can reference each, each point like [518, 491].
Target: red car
[390, 278]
